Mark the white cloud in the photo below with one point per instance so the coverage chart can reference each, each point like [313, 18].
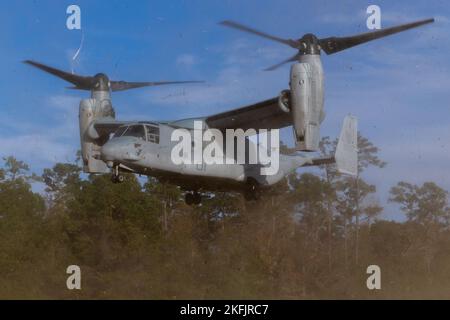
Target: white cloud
[341, 18]
[240, 81]
[38, 149]
[64, 103]
[44, 143]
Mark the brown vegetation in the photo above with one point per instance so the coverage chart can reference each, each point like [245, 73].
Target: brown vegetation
[313, 237]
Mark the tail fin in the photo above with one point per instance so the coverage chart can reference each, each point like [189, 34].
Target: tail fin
[345, 157]
[347, 148]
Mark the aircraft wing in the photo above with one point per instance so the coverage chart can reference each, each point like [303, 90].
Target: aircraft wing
[261, 115]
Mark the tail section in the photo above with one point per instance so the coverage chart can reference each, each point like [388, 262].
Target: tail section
[346, 156]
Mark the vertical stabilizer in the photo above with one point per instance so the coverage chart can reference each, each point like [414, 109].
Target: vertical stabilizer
[347, 148]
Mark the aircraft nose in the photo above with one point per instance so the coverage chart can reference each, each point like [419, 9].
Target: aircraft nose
[109, 151]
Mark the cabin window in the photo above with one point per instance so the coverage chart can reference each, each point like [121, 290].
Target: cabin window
[152, 134]
[135, 131]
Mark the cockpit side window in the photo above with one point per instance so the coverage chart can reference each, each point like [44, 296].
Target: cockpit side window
[119, 132]
[135, 131]
[152, 134]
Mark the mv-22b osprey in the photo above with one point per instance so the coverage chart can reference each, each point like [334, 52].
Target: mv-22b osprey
[144, 147]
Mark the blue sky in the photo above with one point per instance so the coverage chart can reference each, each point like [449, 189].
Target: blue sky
[399, 87]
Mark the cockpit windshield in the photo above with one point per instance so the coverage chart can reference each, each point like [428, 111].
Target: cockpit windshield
[119, 132]
[137, 131]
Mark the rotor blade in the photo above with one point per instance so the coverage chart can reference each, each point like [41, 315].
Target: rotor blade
[238, 26]
[335, 44]
[124, 85]
[293, 58]
[80, 82]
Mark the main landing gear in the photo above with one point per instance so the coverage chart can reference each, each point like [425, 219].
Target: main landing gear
[117, 179]
[252, 191]
[192, 198]
[116, 176]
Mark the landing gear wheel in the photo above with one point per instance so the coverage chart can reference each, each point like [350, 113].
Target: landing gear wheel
[189, 199]
[120, 178]
[116, 176]
[192, 198]
[197, 198]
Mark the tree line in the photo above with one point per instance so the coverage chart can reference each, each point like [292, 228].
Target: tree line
[311, 237]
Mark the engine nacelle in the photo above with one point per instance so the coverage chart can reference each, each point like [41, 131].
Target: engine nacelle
[99, 106]
[306, 101]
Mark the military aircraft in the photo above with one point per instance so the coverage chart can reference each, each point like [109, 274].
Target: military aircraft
[146, 147]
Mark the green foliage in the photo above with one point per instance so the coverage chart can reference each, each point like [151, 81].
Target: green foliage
[367, 154]
[423, 204]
